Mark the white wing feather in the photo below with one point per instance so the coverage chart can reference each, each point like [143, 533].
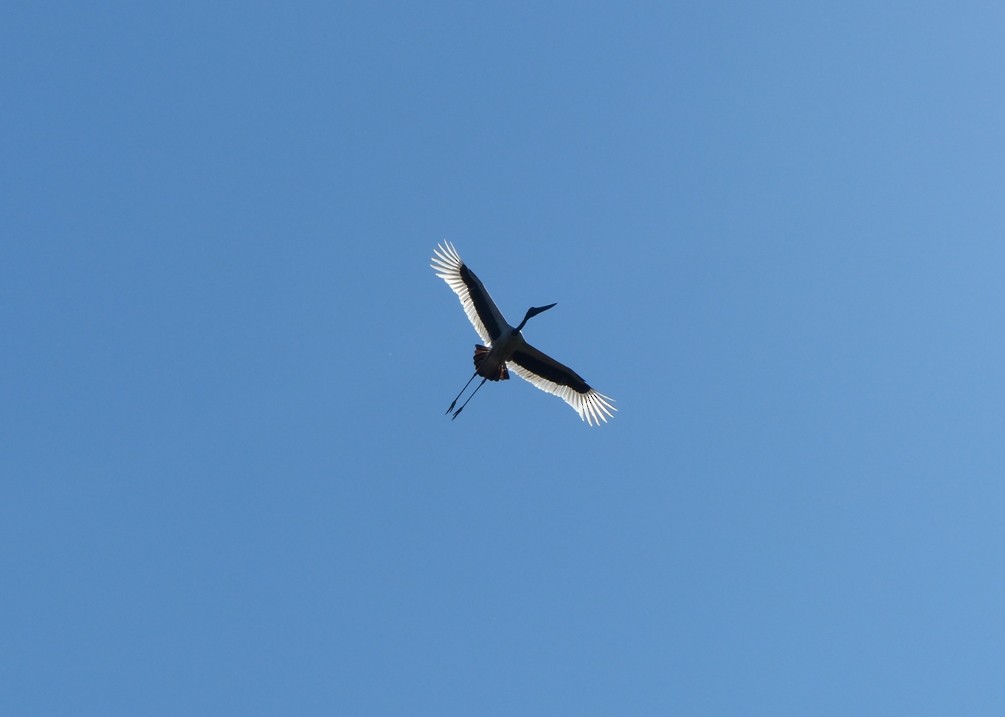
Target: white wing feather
[592, 406]
[447, 264]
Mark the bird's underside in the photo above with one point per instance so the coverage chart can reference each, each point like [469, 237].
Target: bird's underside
[487, 370]
[508, 351]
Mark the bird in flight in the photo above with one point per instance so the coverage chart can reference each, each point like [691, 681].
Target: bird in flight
[506, 348]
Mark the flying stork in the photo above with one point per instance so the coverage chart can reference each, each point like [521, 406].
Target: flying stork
[507, 348]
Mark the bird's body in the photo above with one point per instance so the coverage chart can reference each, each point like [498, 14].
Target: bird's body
[490, 363]
[507, 349]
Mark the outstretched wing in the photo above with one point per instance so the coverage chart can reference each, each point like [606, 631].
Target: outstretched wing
[549, 375]
[478, 305]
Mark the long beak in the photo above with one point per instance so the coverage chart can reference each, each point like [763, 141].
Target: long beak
[531, 313]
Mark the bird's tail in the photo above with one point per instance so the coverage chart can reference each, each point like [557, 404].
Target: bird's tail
[500, 374]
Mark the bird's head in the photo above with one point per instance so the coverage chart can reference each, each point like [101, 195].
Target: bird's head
[531, 313]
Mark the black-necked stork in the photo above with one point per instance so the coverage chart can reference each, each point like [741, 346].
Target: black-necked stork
[507, 347]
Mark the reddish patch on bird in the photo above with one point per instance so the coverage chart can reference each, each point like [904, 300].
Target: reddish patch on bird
[501, 374]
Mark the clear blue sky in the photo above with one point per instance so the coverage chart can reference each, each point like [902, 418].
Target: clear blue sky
[776, 236]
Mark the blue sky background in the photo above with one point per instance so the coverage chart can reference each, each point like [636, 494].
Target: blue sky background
[776, 233]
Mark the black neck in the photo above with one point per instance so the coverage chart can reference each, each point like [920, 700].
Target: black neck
[531, 312]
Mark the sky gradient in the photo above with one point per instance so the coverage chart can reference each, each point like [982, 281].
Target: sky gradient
[776, 237]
